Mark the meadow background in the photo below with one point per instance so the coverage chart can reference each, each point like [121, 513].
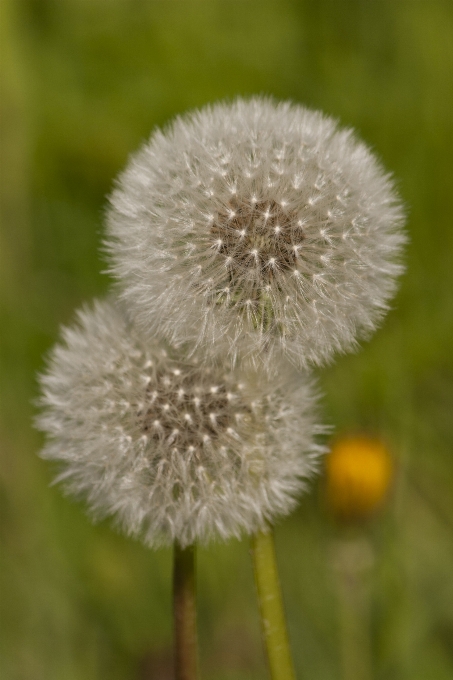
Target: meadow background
[83, 83]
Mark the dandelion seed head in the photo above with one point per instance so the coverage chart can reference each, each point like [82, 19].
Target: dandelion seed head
[172, 449]
[285, 191]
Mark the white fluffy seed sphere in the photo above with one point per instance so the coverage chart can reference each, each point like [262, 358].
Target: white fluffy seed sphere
[174, 450]
[255, 227]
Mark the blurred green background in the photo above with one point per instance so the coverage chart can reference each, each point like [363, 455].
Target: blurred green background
[83, 83]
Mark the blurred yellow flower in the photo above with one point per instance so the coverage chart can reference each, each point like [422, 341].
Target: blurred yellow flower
[358, 474]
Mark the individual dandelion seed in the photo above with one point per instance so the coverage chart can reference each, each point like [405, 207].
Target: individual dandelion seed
[255, 227]
[175, 450]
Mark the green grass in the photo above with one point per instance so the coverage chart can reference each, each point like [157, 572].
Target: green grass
[84, 82]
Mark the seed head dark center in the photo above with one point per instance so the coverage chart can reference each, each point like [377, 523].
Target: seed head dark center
[260, 235]
[186, 414]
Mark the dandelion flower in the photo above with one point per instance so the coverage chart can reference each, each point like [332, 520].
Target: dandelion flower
[175, 450]
[359, 473]
[253, 228]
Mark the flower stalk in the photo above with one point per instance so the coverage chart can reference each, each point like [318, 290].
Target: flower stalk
[353, 561]
[185, 613]
[273, 622]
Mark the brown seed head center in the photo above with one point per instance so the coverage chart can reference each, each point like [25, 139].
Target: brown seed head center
[260, 236]
[184, 413]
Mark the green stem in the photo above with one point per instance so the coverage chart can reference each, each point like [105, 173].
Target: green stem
[273, 622]
[185, 613]
[353, 562]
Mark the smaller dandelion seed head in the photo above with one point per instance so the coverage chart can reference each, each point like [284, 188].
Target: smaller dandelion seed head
[294, 192]
[191, 454]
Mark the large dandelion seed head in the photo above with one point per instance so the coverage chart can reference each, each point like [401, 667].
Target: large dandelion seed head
[255, 227]
[174, 450]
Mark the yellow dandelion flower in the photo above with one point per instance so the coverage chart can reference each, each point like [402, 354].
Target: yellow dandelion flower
[359, 471]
